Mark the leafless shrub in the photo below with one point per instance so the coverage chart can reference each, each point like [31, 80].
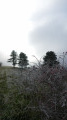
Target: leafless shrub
[51, 92]
[36, 93]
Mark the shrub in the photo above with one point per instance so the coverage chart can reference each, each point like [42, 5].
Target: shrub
[38, 94]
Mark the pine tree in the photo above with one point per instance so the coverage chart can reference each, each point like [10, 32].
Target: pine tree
[50, 58]
[23, 62]
[13, 58]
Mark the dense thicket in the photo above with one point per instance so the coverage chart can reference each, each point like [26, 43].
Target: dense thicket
[35, 94]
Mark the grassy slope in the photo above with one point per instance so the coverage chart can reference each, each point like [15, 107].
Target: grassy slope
[22, 95]
[14, 97]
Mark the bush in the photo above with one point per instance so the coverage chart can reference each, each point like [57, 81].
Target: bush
[37, 94]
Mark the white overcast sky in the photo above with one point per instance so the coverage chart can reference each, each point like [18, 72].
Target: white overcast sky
[33, 27]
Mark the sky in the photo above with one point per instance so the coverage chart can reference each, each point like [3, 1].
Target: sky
[33, 27]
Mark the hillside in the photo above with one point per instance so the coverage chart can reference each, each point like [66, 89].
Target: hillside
[33, 93]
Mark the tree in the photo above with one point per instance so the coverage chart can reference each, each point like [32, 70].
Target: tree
[13, 58]
[23, 62]
[0, 64]
[50, 58]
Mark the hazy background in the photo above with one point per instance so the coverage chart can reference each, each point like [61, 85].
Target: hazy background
[33, 27]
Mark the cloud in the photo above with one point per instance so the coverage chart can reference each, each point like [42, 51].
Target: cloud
[50, 28]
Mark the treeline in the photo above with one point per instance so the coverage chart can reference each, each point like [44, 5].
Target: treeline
[22, 59]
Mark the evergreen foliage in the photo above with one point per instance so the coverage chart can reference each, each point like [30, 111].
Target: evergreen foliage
[13, 58]
[50, 58]
[23, 62]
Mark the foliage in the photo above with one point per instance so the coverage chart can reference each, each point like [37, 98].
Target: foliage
[0, 64]
[39, 94]
[50, 58]
[23, 62]
[13, 58]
